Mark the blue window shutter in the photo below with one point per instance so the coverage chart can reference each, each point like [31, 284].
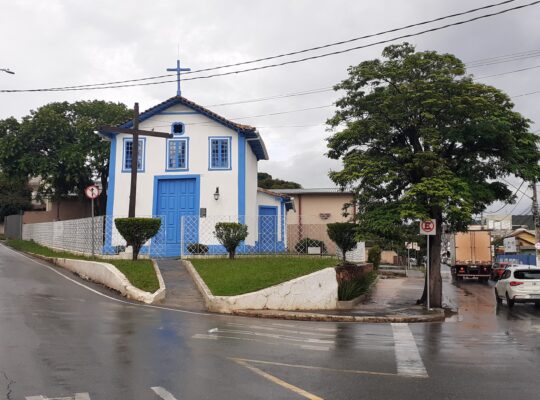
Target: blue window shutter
[219, 153]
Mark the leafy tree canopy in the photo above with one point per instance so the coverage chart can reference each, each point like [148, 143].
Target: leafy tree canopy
[266, 181]
[57, 143]
[420, 139]
[15, 195]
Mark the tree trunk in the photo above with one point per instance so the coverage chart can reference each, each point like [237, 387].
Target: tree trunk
[231, 254]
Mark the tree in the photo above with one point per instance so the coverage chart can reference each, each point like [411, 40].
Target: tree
[58, 144]
[343, 234]
[15, 195]
[230, 234]
[421, 140]
[137, 231]
[266, 181]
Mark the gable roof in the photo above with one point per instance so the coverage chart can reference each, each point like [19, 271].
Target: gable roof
[252, 136]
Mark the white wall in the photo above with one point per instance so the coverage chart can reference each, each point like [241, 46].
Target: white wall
[197, 128]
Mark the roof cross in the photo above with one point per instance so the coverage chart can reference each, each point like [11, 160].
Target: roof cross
[178, 71]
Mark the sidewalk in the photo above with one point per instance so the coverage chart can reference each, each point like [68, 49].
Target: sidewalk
[181, 291]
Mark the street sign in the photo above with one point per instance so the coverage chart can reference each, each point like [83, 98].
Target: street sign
[91, 192]
[412, 246]
[428, 227]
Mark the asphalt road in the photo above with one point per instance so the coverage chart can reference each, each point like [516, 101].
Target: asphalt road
[61, 337]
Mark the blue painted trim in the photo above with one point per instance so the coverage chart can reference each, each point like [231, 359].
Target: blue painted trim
[282, 219]
[143, 164]
[257, 146]
[110, 194]
[241, 178]
[197, 178]
[229, 138]
[178, 112]
[183, 139]
[183, 128]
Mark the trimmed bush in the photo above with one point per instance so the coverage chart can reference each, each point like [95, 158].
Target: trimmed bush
[230, 234]
[137, 231]
[374, 256]
[343, 234]
[303, 244]
[197, 248]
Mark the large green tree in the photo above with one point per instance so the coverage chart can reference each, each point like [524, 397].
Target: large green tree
[57, 143]
[420, 139]
[266, 181]
[15, 195]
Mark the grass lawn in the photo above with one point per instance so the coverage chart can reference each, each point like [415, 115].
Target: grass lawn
[140, 273]
[226, 277]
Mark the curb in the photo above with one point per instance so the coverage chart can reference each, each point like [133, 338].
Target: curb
[437, 316]
[109, 276]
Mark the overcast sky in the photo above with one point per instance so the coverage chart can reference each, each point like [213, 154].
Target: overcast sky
[71, 42]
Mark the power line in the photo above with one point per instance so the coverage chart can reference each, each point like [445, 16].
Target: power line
[299, 51]
[86, 87]
[507, 203]
[507, 72]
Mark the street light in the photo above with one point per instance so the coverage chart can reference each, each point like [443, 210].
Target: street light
[7, 70]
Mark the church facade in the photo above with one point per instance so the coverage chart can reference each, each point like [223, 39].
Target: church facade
[206, 172]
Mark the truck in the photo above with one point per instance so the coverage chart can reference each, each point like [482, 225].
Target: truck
[469, 254]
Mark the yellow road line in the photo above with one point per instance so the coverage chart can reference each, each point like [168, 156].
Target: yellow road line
[348, 371]
[278, 381]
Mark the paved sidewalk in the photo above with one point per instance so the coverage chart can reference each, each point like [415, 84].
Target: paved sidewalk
[181, 291]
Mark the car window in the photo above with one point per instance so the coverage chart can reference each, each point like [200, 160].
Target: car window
[505, 275]
[527, 274]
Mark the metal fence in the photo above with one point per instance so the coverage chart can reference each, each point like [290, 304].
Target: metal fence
[84, 236]
[191, 235]
[266, 235]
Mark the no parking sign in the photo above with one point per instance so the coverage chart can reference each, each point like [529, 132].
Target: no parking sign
[428, 227]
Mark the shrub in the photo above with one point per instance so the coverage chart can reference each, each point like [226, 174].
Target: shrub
[230, 234]
[137, 231]
[349, 290]
[197, 248]
[374, 256]
[343, 234]
[303, 244]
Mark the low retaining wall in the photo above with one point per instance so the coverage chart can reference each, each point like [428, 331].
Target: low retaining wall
[109, 276]
[316, 291]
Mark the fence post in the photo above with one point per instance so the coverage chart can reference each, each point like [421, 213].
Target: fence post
[182, 221]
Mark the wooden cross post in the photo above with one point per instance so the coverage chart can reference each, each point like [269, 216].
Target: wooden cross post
[134, 152]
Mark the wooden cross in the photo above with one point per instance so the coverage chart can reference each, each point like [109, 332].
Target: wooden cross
[135, 132]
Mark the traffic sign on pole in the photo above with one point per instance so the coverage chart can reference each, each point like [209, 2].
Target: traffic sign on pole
[91, 191]
[428, 227]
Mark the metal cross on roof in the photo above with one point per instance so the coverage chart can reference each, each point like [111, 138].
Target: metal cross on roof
[178, 71]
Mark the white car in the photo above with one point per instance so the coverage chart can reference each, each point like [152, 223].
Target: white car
[519, 283]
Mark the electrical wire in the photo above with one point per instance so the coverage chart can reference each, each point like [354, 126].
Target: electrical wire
[86, 87]
[507, 203]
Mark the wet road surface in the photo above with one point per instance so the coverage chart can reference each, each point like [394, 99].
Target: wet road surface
[60, 339]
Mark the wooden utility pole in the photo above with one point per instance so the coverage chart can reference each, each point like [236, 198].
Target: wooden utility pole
[134, 162]
[536, 218]
[135, 132]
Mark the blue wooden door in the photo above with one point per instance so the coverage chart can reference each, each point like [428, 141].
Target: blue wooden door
[178, 198]
[267, 229]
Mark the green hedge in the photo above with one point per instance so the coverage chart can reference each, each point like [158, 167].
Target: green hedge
[137, 231]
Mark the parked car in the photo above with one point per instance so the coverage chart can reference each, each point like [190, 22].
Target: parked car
[519, 284]
[499, 268]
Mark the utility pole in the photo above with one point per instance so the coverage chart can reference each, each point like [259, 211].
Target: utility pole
[135, 132]
[134, 162]
[536, 218]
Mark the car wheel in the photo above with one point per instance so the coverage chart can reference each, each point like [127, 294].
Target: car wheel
[509, 301]
[497, 298]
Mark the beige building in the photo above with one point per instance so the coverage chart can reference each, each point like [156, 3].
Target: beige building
[313, 210]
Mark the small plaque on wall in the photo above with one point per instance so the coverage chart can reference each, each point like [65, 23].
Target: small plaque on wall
[203, 213]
